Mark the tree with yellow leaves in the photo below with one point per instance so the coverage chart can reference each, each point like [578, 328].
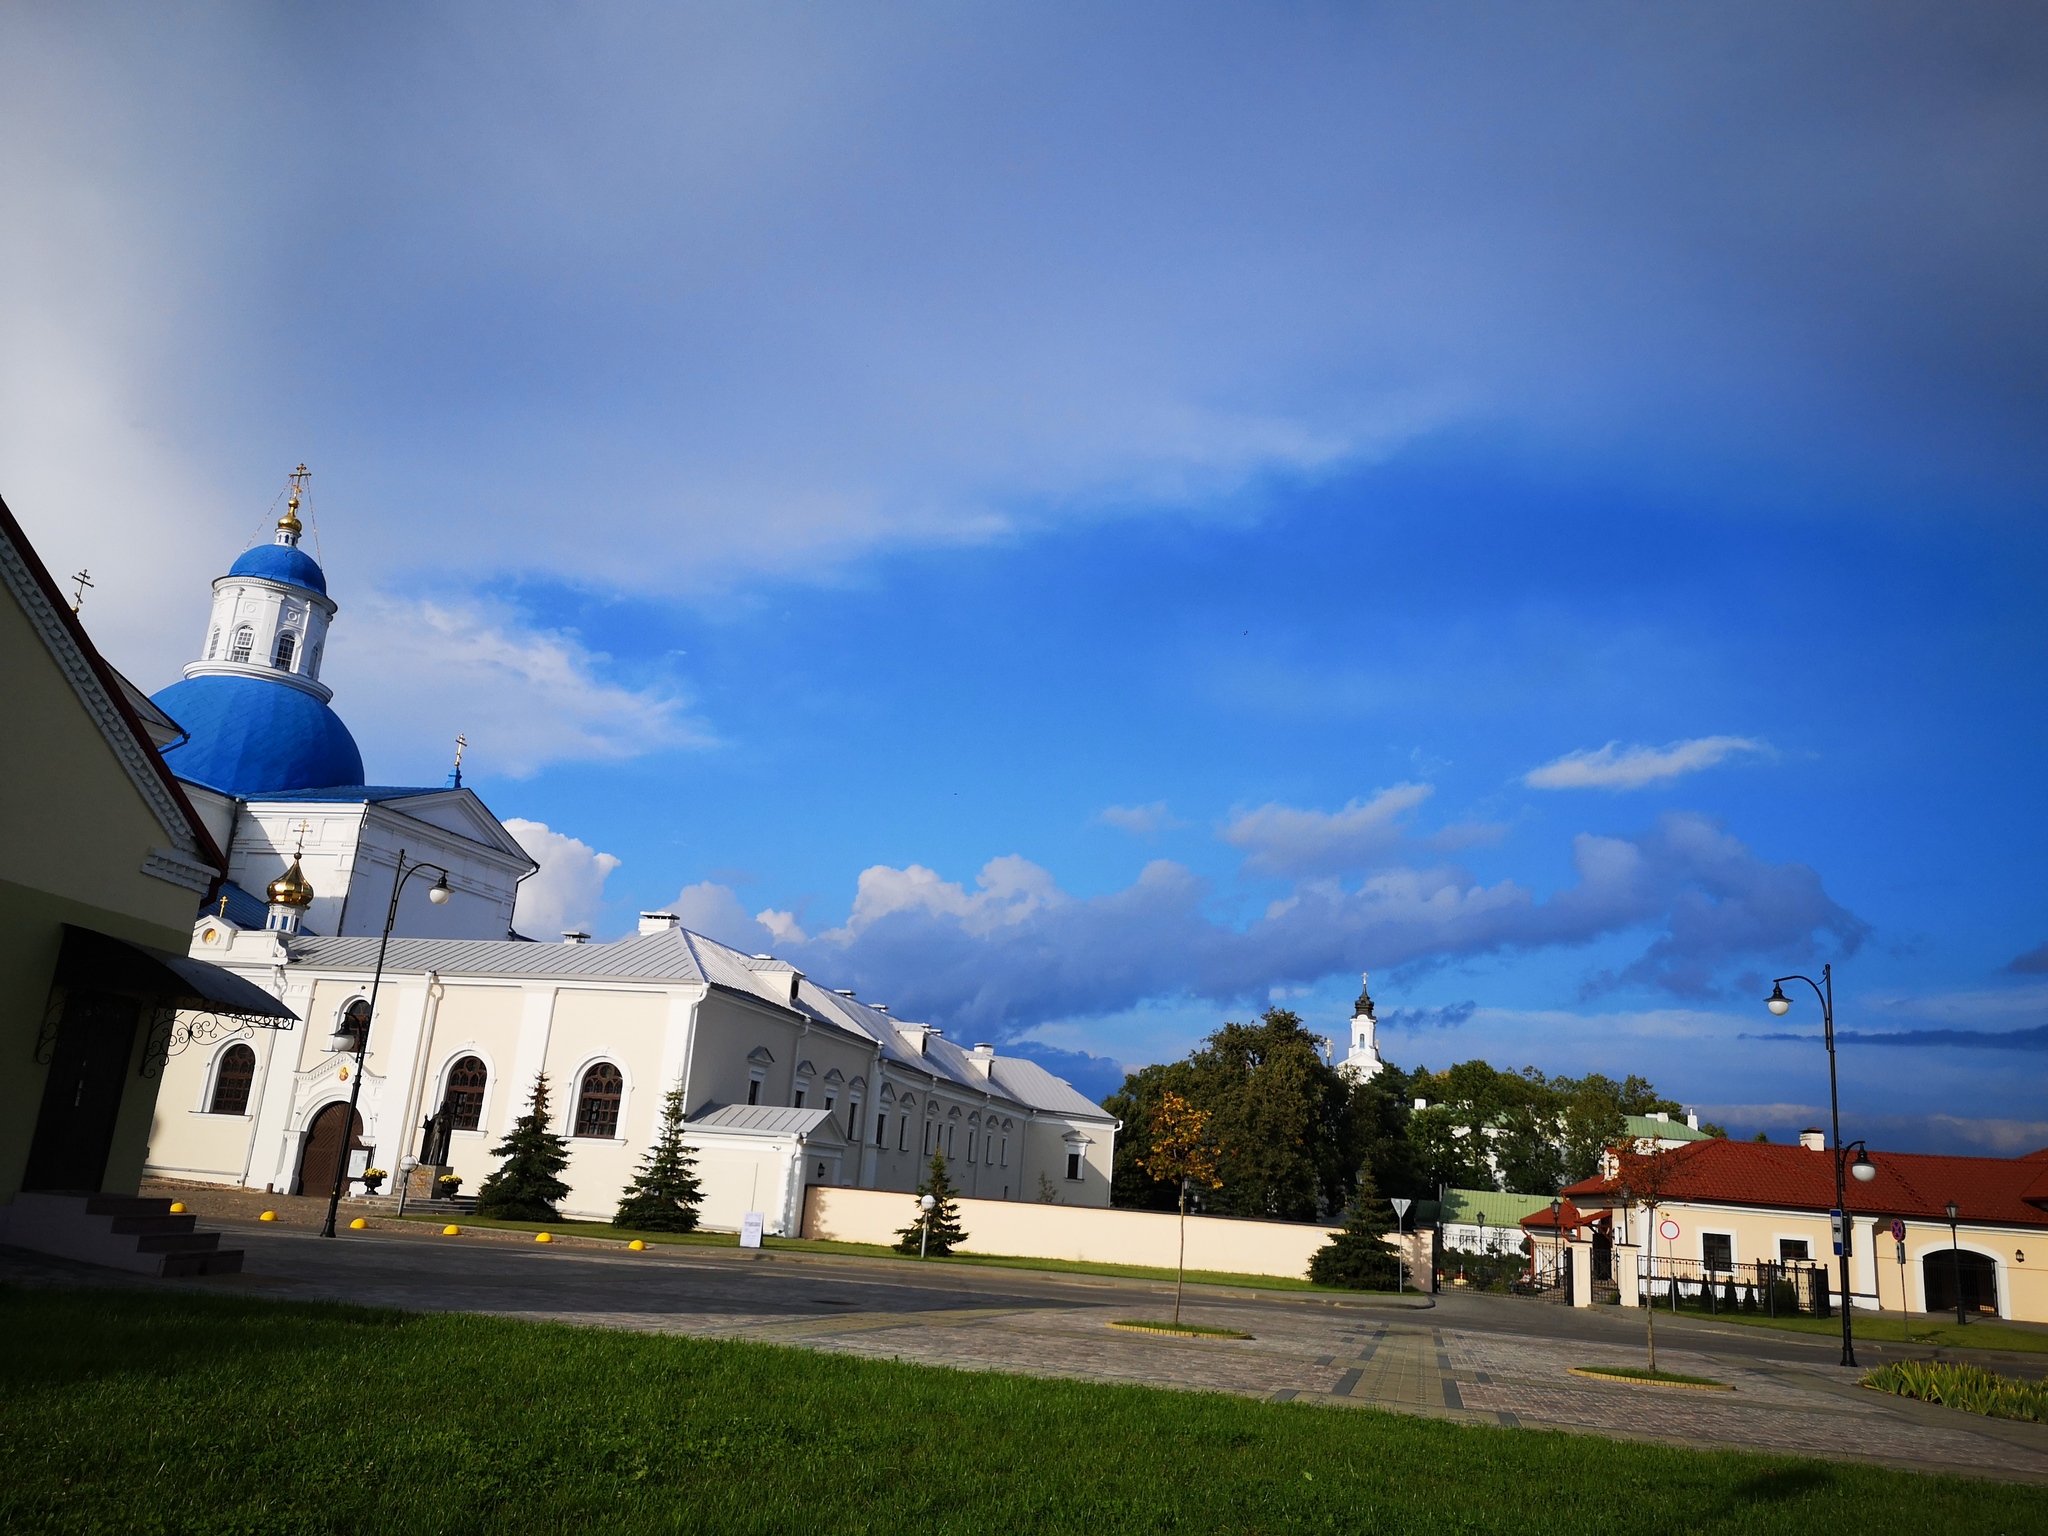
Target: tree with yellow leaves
[1182, 1151]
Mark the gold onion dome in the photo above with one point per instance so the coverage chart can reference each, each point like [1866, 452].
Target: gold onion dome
[291, 889]
[290, 523]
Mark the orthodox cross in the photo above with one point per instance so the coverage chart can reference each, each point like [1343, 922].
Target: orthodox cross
[78, 597]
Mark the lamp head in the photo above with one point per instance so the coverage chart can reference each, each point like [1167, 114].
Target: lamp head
[927, 1202]
[1627, 1194]
[1863, 1168]
[1951, 1208]
[437, 893]
[1778, 1002]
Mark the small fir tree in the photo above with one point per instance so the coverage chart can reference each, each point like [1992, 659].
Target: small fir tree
[664, 1194]
[938, 1230]
[528, 1185]
[1358, 1258]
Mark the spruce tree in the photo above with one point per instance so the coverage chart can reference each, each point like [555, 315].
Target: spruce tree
[1358, 1258]
[664, 1194]
[527, 1185]
[939, 1231]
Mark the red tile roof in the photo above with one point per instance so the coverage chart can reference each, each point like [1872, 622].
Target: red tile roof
[2007, 1191]
[1568, 1215]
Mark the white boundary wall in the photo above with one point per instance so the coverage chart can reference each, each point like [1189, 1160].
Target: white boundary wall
[1029, 1230]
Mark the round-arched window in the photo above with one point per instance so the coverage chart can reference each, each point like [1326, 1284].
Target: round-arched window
[463, 1103]
[597, 1105]
[231, 1080]
[245, 642]
[287, 648]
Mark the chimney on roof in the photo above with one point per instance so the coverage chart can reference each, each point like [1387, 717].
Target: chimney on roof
[884, 1008]
[842, 991]
[1813, 1139]
[575, 936]
[1660, 1115]
[659, 922]
[1692, 1119]
[1422, 1103]
[984, 1058]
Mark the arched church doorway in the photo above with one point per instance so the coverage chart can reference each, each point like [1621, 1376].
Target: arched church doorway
[1941, 1270]
[335, 1132]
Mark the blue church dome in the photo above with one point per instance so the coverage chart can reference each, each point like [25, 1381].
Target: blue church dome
[282, 562]
[250, 735]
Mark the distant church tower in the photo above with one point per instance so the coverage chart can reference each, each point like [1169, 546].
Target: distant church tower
[1363, 1062]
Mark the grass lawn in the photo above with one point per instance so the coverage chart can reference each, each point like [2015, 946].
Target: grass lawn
[145, 1411]
[1186, 1330]
[605, 1231]
[1889, 1330]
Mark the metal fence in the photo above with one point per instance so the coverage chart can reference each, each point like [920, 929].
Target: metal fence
[1772, 1289]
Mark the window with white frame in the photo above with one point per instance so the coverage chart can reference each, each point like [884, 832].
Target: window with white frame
[286, 649]
[1717, 1252]
[881, 1130]
[463, 1102]
[1075, 1164]
[245, 642]
[213, 643]
[597, 1105]
[232, 1075]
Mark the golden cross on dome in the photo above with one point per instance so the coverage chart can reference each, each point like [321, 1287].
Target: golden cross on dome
[302, 828]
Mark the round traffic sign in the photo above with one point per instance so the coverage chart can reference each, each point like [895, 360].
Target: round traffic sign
[1898, 1231]
[1668, 1230]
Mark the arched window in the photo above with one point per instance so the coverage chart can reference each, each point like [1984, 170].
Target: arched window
[287, 648]
[313, 663]
[463, 1103]
[245, 642]
[597, 1106]
[213, 643]
[231, 1080]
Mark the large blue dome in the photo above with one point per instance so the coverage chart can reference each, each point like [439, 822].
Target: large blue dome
[249, 735]
[282, 562]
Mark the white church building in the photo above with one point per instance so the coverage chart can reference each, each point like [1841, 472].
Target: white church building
[786, 1083]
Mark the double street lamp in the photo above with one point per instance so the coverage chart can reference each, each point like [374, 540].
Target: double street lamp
[352, 1035]
[1864, 1170]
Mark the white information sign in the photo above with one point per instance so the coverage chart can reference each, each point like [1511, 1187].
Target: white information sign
[1668, 1230]
[750, 1230]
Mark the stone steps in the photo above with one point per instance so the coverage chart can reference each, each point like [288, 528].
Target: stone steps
[132, 1232]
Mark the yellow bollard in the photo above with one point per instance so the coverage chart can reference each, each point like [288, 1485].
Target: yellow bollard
[543, 1237]
[451, 1231]
[358, 1225]
[637, 1246]
[177, 1207]
[268, 1216]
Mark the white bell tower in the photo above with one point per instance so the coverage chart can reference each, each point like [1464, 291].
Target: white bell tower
[1362, 1062]
[270, 614]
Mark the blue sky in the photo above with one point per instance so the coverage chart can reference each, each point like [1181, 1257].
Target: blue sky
[1080, 522]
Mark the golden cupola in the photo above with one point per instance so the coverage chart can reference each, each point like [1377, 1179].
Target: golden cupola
[291, 889]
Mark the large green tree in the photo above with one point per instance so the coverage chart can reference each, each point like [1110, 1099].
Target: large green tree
[937, 1231]
[1359, 1257]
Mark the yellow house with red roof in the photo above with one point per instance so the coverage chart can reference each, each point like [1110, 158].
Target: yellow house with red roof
[1975, 1228]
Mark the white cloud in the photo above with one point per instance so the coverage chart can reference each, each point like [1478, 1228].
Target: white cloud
[567, 890]
[410, 675]
[1617, 767]
[1140, 820]
[1014, 951]
[1283, 840]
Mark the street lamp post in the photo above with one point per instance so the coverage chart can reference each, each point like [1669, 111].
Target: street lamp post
[924, 1224]
[360, 1045]
[1955, 1249]
[1864, 1170]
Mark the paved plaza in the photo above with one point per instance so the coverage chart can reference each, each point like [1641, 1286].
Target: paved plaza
[1468, 1359]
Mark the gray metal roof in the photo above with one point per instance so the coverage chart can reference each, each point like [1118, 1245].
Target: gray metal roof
[677, 955]
[766, 1120]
